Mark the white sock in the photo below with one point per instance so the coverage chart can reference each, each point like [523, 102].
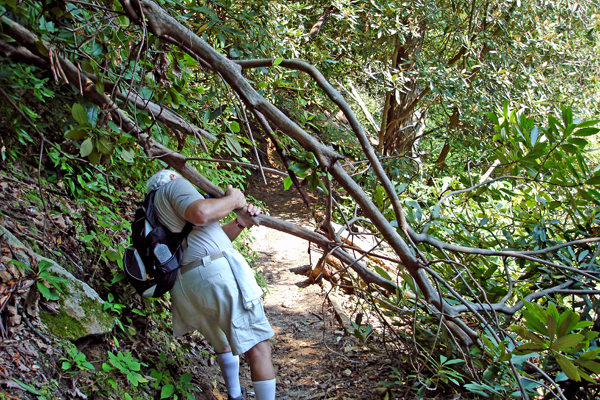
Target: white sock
[265, 390]
[230, 369]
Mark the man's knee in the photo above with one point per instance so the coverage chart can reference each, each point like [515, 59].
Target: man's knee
[261, 350]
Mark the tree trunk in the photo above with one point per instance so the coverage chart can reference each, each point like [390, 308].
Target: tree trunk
[399, 122]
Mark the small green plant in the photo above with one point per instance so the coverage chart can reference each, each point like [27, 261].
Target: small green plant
[76, 360]
[170, 387]
[113, 306]
[362, 332]
[396, 378]
[47, 283]
[126, 364]
[441, 372]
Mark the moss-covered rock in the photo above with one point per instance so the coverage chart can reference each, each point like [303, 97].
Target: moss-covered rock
[81, 308]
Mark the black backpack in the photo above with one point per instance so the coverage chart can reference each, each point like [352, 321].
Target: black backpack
[151, 263]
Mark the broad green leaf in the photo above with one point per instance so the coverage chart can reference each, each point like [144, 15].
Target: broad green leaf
[186, 378]
[41, 47]
[79, 114]
[86, 147]
[217, 112]
[568, 367]
[564, 321]
[573, 322]
[526, 334]
[567, 341]
[585, 124]
[590, 365]
[234, 126]
[94, 156]
[167, 391]
[104, 146]
[114, 127]
[580, 258]
[88, 365]
[493, 117]
[533, 323]
[287, 183]
[531, 347]
[551, 325]
[100, 85]
[313, 182]
[570, 148]
[76, 134]
[277, 61]
[593, 181]
[581, 143]
[202, 28]
[49, 294]
[299, 168]
[112, 255]
[586, 132]
[583, 324]
[127, 155]
[383, 273]
[534, 135]
[587, 377]
[234, 145]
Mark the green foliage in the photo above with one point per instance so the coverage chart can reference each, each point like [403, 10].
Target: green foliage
[99, 142]
[76, 360]
[113, 306]
[171, 388]
[362, 332]
[562, 337]
[127, 365]
[47, 282]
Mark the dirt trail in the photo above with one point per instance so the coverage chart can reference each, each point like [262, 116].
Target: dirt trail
[313, 359]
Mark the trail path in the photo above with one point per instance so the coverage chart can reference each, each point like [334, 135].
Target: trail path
[313, 359]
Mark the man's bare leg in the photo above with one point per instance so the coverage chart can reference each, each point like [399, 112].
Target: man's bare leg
[262, 371]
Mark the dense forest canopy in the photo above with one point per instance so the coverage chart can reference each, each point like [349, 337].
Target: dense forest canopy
[462, 135]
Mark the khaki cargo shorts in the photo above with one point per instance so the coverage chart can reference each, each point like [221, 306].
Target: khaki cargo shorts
[207, 298]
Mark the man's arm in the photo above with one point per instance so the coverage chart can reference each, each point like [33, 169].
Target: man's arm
[205, 211]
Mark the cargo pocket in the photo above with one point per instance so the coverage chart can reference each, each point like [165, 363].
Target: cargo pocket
[242, 330]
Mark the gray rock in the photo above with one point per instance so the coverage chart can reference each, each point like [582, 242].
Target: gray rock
[81, 308]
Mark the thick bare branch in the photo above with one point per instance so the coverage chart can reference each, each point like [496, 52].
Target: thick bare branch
[337, 98]
[316, 28]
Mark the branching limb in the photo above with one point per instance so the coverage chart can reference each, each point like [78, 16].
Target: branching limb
[337, 98]
[424, 238]
[164, 115]
[242, 164]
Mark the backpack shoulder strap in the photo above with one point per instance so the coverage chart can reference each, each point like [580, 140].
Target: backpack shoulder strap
[186, 229]
[149, 208]
[152, 217]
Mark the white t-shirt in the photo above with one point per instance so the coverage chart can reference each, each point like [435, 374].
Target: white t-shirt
[170, 201]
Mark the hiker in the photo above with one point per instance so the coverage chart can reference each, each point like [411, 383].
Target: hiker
[215, 291]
